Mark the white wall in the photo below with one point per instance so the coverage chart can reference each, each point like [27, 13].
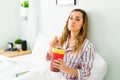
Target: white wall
[29, 27]
[104, 27]
[9, 21]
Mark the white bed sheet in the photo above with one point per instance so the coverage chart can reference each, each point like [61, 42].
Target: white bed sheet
[37, 69]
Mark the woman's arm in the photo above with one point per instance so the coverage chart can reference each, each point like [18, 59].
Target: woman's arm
[86, 63]
[48, 56]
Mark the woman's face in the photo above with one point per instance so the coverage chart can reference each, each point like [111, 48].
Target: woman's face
[75, 21]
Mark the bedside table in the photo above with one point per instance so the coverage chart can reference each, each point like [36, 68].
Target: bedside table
[14, 53]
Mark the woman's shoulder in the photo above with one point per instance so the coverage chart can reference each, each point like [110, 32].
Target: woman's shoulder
[87, 46]
[88, 43]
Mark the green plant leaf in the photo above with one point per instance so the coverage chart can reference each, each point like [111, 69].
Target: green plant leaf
[18, 41]
[25, 4]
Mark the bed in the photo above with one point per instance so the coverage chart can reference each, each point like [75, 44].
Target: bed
[34, 66]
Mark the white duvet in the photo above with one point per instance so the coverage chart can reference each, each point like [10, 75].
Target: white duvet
[26, 68]
[35, 67]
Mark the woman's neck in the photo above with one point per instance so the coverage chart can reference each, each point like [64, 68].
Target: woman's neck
[72, 38]
[73, 35]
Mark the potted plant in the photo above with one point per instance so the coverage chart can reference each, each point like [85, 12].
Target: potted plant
[18, 43]
[24, 9]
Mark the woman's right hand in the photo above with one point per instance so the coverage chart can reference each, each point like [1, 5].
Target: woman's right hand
[54, 41]
[52, 44]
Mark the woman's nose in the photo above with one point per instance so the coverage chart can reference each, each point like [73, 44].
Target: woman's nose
[72, 21]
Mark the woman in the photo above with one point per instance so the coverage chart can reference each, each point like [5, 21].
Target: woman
[79, 55]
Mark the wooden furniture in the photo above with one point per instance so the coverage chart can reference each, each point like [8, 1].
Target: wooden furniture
[14, 53]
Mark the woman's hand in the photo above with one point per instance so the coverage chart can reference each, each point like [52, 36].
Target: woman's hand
[52, 43]
[59, 63]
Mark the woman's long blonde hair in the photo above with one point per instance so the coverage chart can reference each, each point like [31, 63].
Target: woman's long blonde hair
[82, 33]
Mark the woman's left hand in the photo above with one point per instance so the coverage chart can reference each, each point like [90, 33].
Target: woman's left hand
[59, 63]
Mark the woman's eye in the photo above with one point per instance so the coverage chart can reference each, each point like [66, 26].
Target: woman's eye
[77, 19]
[71, 18]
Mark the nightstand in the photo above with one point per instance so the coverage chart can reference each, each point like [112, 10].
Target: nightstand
[14, 53]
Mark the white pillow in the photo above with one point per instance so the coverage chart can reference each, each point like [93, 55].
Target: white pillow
[38, 55]
[99, 69]
[41, 45]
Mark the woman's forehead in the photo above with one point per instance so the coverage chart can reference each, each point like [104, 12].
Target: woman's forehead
[76, 13]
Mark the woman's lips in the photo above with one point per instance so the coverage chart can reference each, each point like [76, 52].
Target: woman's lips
[72, 25]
